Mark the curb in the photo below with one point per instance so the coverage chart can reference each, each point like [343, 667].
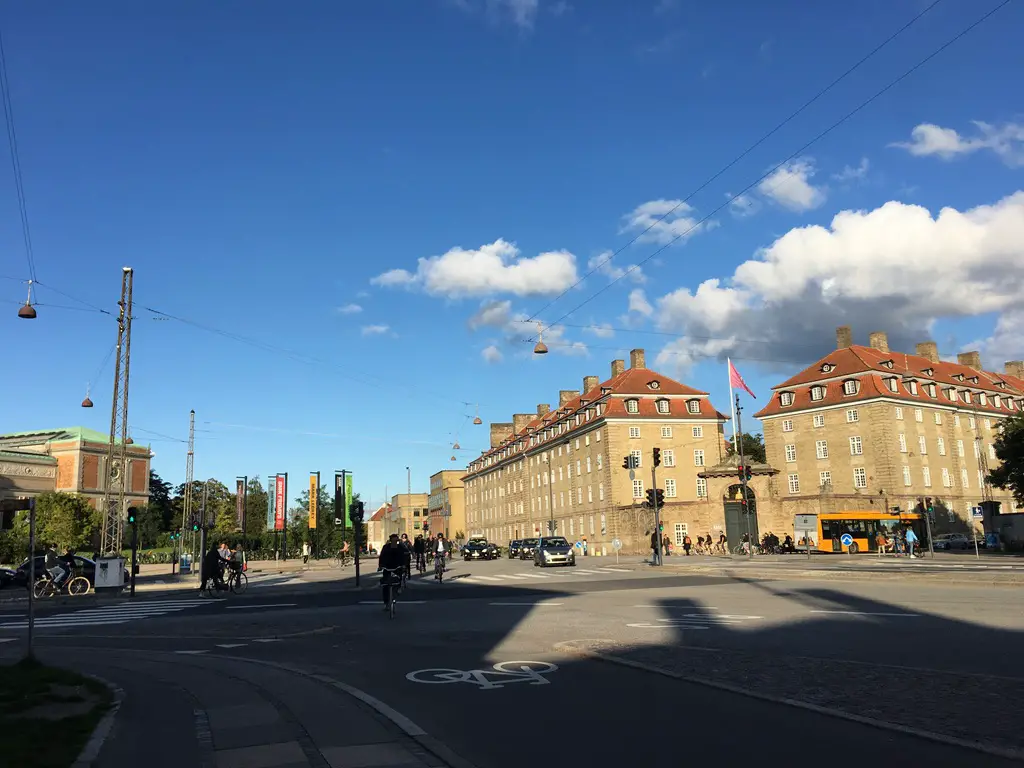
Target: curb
[101, 732]
[974, 746]
[432, 745]
[985, 580]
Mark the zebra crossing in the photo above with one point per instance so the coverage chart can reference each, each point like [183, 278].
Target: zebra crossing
[454, 576]
[110, 614]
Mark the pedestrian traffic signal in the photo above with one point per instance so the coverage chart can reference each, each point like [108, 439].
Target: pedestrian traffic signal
[132, 515]
[195, 524]
[650, 498]
[659, 497]
[657, 457]
[928, 505]
[355, 512]
[551, 527]
[747, 473]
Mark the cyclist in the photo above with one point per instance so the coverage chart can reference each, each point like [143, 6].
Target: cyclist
[394, 556]
[440, 550]
[419, 548]
[408, 549]
[54, 567]
[211, 570]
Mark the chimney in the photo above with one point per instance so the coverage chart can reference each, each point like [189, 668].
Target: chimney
[590, 383]
[970, 359]
[1015, 368]
[928, 350]
[878, 340]
[844, 337]
[520, 420]
[636, 359]
[500, 432]
[543, 410]
[565, 395]
[618, 367]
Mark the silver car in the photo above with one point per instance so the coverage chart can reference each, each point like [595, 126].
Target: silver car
[554, 550]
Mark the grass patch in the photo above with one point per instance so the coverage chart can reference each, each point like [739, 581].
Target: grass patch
[47, 714]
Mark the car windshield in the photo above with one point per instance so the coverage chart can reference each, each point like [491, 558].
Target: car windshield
[514, 543]
[556, 541]
[529, 542]
[478, 541]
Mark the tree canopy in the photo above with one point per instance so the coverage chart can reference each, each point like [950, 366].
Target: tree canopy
[753, 448]
[1009, 448]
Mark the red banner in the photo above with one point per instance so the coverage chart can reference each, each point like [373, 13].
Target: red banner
[279, 502]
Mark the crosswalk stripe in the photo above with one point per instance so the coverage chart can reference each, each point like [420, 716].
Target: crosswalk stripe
[516, 576]
[120, 613]
[536, 576]
[583, 570]
[7, 639]
[617, 570]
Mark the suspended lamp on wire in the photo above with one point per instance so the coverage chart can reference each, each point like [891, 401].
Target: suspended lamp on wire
[477, 419]
[540, 348]
[27, 311]
[456, 446]
[453, 458]
[87, 403]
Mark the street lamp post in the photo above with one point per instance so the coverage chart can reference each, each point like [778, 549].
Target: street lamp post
[551, 494]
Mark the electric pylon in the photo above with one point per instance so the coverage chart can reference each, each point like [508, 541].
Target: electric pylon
[186, 514]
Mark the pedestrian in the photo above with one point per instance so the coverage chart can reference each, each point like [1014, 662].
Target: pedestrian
[305, 552]
[585, 547]
[654, 548]
[687, 544]
[911, 542]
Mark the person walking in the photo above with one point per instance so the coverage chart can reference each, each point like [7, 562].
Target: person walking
[911, 542]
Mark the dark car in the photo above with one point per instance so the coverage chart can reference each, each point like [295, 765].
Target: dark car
[513, 548]
[526, 547]
[7, 577]
[554, 550]
[83, 567]
[478, 549]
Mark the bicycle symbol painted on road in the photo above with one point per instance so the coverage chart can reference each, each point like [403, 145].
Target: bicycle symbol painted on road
[505, 672]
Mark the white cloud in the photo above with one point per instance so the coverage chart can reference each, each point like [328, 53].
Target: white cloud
[1006, 141]
[491, 354]
[362, 294]
[604, 265]
[849, 173]
[601, 330]
[1005, 343]
[522, 13]
[790, 186]
[492, 313]
[896, 268]
[638, 303]
[663, 221]
[350, 309]
[375, 330]
[516, 329]
[742, 206]
[493, 268]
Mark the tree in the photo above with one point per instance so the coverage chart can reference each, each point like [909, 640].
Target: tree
[329, 536]
[160, 503]
[150, 524]
[255, 509]
[66, 520]
[1009, 448]
[753, 448]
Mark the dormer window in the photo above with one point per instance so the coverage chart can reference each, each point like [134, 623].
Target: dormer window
[785, 398]
[817, 393]
[967, 396]
[888, 364]
[663, 406]
[632, 406]
[959, 377]
[973, 379]
[654, 384]
[605, 390]
[951, 394]
[827, 368]
[928, 371]
[892, 384]
[1001, 384]
[913, 387]
[932, 390]
[997, 401]
[983, 398]
[849, 387]
[693, 406]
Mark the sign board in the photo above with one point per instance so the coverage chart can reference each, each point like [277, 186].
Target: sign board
[846, 539]
[314, 498]
[616, 544]
[977, 513]
[280, 493]
[805, 528]
[632, 475]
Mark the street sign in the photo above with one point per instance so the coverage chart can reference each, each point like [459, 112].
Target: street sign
[616, 544]
[632, 475]
[846, 539]
[977, 513]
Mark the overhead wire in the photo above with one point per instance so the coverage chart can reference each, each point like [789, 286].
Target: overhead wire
[871, 99]
[12, 141]
[849, 71]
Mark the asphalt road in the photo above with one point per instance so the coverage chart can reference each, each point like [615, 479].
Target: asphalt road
[936, 653]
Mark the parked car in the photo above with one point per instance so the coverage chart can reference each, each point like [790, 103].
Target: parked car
[513, 548]
[952, 541]
[478, 549]
[526, 547]
[83, 567]
[7, 577]
[554, 550]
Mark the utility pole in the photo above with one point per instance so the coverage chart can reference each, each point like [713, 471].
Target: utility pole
[186, 514]
[659, 557]
[747, 512]
[551, 497]
[117, 467]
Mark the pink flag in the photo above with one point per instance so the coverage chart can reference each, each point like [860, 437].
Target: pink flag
[735, 380]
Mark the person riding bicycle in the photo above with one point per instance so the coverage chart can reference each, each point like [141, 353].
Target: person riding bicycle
[419, 548]
[212, 570]
[408, 548]
[440, 549]
[53, 565]
[394, 556]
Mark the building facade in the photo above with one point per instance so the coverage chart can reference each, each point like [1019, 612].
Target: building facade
[376, 526]
[865, 427]
[446, 504]
[562, 469]
[408, 514]
[70, 460]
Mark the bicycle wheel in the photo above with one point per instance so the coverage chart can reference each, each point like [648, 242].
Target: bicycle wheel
[42, 588]
[239, 583]
[391, 603]
[79, 586]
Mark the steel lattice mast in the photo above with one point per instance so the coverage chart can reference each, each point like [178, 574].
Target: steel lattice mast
[186, 513]
[116, 468]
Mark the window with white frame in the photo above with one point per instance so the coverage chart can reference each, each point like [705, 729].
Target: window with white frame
[821, 449]
[600, 461]
[680, 532]
[634, 433]
[988, 423]
[693, 406]
[588, 464]
[918, 415]
[632, 406]
[590, 494]
[600, 491]
[637, 456]
[697, 431]
[906, 476]
[860, 477]
[938, 417]
[971, 423]
[819, 420]
[899, 413]
[991, 452]
[913, 387]
[922, 444]
[787, 425]
[824, 478]
[591, 525]
[638, 489]
[946, 480]
[577, 443]
[942, 447]
[794, 483]
[662, 406]
[852, 416]
[785, 398]
[983, 398]
[956, 420]
[850, 387]
[597, 435]
[977, 449]
[981, 479]
[579, 495]
[587, 439]
[856, 446]
[666, 432]
[926, 473]
[903, 442]
[817, 393]
[790, 453]
[960, 448]
[670, 488]
[668, 457]
[963, 477]
[698, 458]
[891, 384]
[702, 488]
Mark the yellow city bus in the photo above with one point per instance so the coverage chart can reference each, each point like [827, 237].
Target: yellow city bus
[863, 526]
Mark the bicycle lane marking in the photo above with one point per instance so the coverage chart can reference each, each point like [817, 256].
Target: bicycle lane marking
[506, 672]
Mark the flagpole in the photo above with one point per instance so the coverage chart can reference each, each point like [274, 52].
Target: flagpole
[732, 406]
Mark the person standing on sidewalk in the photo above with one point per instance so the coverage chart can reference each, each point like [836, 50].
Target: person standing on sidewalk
[305, 552]
[911, 542]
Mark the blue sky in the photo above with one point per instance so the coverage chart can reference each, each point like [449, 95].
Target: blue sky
[269, 168]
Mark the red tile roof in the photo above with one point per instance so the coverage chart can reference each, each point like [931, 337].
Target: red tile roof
[379, 514]
[871, 368]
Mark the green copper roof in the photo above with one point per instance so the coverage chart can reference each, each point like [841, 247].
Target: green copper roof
[83, 434]
[32, 458]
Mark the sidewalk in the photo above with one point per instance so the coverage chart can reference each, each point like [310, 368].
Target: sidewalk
[224, 712]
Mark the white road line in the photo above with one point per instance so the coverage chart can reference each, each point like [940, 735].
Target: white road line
[485, 578]
[7, 639]
[527, 604]
[867, 613]
[267, 640]
[583, 570]
[617, 570]
[13, 616]
[191, 653]
[515, 576]
[536, 576]
[381, 603]
[265, 605]
[231, 645]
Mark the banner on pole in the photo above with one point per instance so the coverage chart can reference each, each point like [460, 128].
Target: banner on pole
[239, 502]
[348, 494]
[281, 498]
[314, 497]
[271, 506]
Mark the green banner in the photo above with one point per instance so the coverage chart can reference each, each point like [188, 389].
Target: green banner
[348, 494]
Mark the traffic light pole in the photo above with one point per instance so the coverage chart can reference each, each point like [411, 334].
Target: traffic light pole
[135, 556]
[659, 555]
[743, 480]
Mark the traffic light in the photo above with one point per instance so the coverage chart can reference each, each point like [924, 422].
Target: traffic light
[629, 462]
[195, 524]
[551, 527]
[928, 504]
[659, 496]
[657, 457]
[355, 512]
[747, 473]
[650, 498]
[132, 516]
